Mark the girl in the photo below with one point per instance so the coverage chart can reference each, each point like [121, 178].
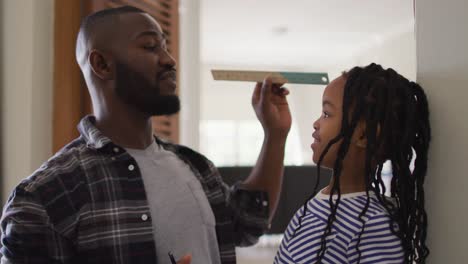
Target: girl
[370, 116]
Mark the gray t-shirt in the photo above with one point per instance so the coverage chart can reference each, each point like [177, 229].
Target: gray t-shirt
[182, 218]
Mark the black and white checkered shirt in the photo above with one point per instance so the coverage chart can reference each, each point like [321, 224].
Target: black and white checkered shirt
[87, 204]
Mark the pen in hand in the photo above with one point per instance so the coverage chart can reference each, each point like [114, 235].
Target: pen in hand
[187, 259]
[172, 258]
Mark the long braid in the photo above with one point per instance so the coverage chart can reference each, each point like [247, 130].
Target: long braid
[304, 206]
[370, 131]
[421, 146]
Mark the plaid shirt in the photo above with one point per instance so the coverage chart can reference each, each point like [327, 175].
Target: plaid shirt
[87, 204]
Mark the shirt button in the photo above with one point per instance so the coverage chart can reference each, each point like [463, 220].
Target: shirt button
[116, 150]
[144, 217]
[131, 167]
[265, 203]
[113, 158]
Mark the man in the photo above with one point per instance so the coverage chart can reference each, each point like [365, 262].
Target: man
[117, 194]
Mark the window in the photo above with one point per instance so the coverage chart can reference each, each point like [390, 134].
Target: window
[238, 143]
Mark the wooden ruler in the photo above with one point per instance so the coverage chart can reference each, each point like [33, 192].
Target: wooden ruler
[317, 78]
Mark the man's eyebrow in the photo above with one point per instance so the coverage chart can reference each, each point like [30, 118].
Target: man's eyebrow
[159, 35]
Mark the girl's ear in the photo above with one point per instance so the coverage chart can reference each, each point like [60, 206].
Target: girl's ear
[359, 138]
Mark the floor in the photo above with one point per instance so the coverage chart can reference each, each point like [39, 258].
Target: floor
[263, 252]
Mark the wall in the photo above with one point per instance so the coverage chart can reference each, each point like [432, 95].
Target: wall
[189, 36]
[442, 63]
[1, 96]
[397, 51]
[26, 87]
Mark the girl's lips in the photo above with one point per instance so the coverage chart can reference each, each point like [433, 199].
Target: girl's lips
[316, 140]
[314, 144]
[315, 136]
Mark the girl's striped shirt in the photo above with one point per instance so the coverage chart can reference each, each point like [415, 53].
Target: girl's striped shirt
[378, 243]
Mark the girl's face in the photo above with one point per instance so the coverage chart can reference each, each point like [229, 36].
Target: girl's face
[328, 125]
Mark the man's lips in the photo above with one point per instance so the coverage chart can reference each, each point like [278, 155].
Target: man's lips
[168, 75]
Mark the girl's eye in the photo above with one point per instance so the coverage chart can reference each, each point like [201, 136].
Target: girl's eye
[325, 114]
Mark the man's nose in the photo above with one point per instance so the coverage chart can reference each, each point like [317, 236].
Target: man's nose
[167, 59]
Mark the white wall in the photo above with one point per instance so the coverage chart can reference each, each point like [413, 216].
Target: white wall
[442, 60]
[397, 51]
[27, 28]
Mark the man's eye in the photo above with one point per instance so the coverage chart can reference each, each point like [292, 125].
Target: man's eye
[151, 48]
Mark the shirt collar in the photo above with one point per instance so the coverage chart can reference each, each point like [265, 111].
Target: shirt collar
[91, 134]
[94, 137]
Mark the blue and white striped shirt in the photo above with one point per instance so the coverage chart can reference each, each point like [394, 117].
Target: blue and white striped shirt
[378, 244]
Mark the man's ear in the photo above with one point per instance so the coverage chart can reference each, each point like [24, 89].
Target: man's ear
[101, 64]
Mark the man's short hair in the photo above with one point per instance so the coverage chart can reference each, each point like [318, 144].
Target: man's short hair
[92, 23]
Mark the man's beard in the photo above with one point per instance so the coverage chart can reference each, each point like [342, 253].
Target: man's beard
[136, 91]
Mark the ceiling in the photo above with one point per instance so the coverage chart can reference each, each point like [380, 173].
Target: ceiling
[297, 32]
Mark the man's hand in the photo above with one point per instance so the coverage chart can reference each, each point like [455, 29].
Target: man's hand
[272, 109]
[187, 259]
